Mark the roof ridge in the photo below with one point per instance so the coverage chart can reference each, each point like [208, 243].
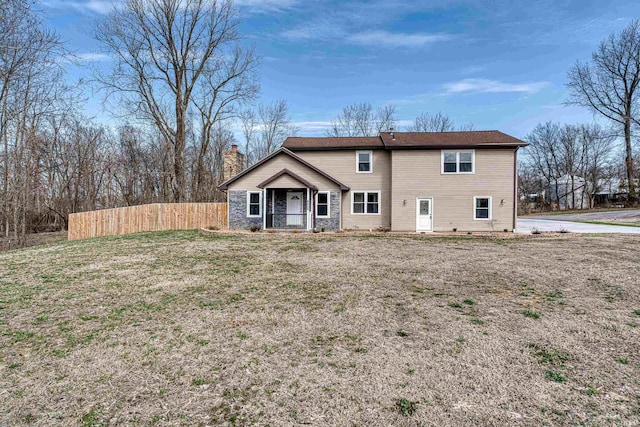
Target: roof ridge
[450, 131]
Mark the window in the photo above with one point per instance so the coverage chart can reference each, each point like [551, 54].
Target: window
[482, 208]
[458, 161]
[364, 161]
[254, 204]
[322, 205]
[365, 202]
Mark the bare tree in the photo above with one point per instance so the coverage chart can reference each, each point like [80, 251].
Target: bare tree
[467, 127]
[570, 159]
[248, 123]
[228, 83]
[275, 127]
[427, 122]
[29, 76]
[608, 85]
[359, 119]
[543, 155]
[385, 118]
[171, 55]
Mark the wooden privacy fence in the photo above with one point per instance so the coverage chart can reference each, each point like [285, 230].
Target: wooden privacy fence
[155, 217]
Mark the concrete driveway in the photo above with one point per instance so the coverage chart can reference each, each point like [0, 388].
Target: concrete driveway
[529, 224]
[607, 216]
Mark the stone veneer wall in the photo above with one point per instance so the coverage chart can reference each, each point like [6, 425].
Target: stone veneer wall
[332, 223]
[238, 219]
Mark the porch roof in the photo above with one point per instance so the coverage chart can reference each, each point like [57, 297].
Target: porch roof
[298, 178]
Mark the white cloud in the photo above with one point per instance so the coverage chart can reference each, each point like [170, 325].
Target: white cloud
[326, 29]
[389, 39]
[101, 7]
[93, 57]
[313, 128]
[492, 86]
[259, 6]
[322, 28]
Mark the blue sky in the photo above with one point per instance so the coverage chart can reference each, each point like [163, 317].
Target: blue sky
[497, 64]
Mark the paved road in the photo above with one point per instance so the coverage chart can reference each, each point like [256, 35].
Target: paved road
[528, 224]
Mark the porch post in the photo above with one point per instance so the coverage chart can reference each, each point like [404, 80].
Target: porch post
[264, 208]
[308, 208]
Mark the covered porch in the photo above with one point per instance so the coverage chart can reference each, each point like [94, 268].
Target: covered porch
[290, 208]
[288, 202]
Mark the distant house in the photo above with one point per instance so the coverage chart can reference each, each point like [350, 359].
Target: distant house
[613, 191]
[571, 192]
[402, 181]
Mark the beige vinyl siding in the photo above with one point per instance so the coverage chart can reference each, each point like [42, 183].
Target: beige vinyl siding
[254, 178]
[417, 173]
[285, 181]
[341, 164]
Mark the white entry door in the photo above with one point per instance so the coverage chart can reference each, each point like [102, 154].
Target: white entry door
[424, 214]
[294, 208]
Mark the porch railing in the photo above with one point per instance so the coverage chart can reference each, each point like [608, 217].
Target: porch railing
[283, 221]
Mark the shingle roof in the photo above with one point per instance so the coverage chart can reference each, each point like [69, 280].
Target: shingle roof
[298, 143]
[466, 139]
[487, 138]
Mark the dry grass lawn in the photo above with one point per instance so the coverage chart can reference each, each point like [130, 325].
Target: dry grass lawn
[182, 329]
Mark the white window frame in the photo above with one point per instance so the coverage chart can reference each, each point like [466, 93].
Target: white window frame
[366, 197]
[249, 193]
[370, 153]
[328, 215]
[475, 198]
[457, 172]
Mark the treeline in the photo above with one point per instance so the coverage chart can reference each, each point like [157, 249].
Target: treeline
[180, 110]
[566, 164]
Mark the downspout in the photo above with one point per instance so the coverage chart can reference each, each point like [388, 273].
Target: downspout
[515, 189]
[308, 208]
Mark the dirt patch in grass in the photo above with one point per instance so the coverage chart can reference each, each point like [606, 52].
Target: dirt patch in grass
[184, 329]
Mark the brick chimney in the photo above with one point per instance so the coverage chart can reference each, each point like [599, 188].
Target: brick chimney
[233, 162]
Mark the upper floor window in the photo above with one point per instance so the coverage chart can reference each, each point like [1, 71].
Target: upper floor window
[254, 204]
[458, 161]
[364, 161]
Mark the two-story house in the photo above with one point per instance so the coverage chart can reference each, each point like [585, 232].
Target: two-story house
[400, 181]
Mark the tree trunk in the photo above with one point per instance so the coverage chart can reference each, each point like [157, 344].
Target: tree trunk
[178, 151]
[5, 138]
[629, 159]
